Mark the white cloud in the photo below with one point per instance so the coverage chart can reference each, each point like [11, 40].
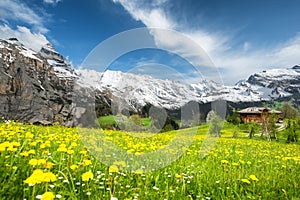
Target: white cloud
[19, 11]
[53, 2]
[31, 40]
[235, 64]
[152, 16]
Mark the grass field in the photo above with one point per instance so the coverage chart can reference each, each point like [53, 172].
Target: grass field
[51, 162]
[110, 122]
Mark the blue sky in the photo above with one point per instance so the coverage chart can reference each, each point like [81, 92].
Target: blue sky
[240, 37]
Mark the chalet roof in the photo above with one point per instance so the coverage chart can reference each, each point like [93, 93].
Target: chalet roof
[258, 110]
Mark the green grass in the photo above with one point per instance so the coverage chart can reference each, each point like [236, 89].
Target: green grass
[146, 122]
[226, 172]
[109, 122]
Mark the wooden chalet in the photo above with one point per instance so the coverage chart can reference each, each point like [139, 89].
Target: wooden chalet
[257, 114]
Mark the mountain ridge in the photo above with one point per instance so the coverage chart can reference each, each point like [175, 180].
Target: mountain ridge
[47, 81]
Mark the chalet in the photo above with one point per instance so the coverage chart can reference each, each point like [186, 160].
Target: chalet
[257, 114]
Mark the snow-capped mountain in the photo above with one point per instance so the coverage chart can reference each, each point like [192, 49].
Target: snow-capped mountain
[138, 90]
[43, 81]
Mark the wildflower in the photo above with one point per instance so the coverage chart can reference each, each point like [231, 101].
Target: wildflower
[48, 196]
[224, 162]
[33, 162]
[48, 165]
[29, 135]
[245, 181]
[33, 144]
[73, 167]
[41, 161]
[235, 164]
[113, 169]
[35, 177]
[83, 152]
[25, 154]
[14, 167]
[178, 176]
[87, 176]
[38, 176]
[87, 162]
[62, 149]
[155, 188]
[49, 177]
[253, 177]
[139, 171]
[248, 162]
[12, 149]
[70, 151]
[31, 151]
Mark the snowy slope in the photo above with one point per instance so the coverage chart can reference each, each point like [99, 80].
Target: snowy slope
[139, 90]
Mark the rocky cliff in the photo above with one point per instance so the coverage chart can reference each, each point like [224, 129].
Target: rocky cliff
[30, 90]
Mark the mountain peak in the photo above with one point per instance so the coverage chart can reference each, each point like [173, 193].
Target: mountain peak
[48, 48]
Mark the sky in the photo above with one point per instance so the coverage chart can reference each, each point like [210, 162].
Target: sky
[236, 37]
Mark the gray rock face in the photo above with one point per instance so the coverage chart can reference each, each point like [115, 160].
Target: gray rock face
[30, 91]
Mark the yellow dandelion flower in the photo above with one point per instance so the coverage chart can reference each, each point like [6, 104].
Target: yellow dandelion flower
[253, 177]
[73, 167]
[12, 149]
[49, 177]
[224, 162]
[139, 171]
[29, 135]
[235, 164]
[33, 162]
[35, 177]
[48, 165]
[25, 154]
[87, 162]
[87, 176]
[83, 152]
[70, 151]
[178, 176]
[33, 144]
[245, 181]
[62, 149]
[31, 151]
[41, 161]
[113, 169]
[248, 162]
[48, 196]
